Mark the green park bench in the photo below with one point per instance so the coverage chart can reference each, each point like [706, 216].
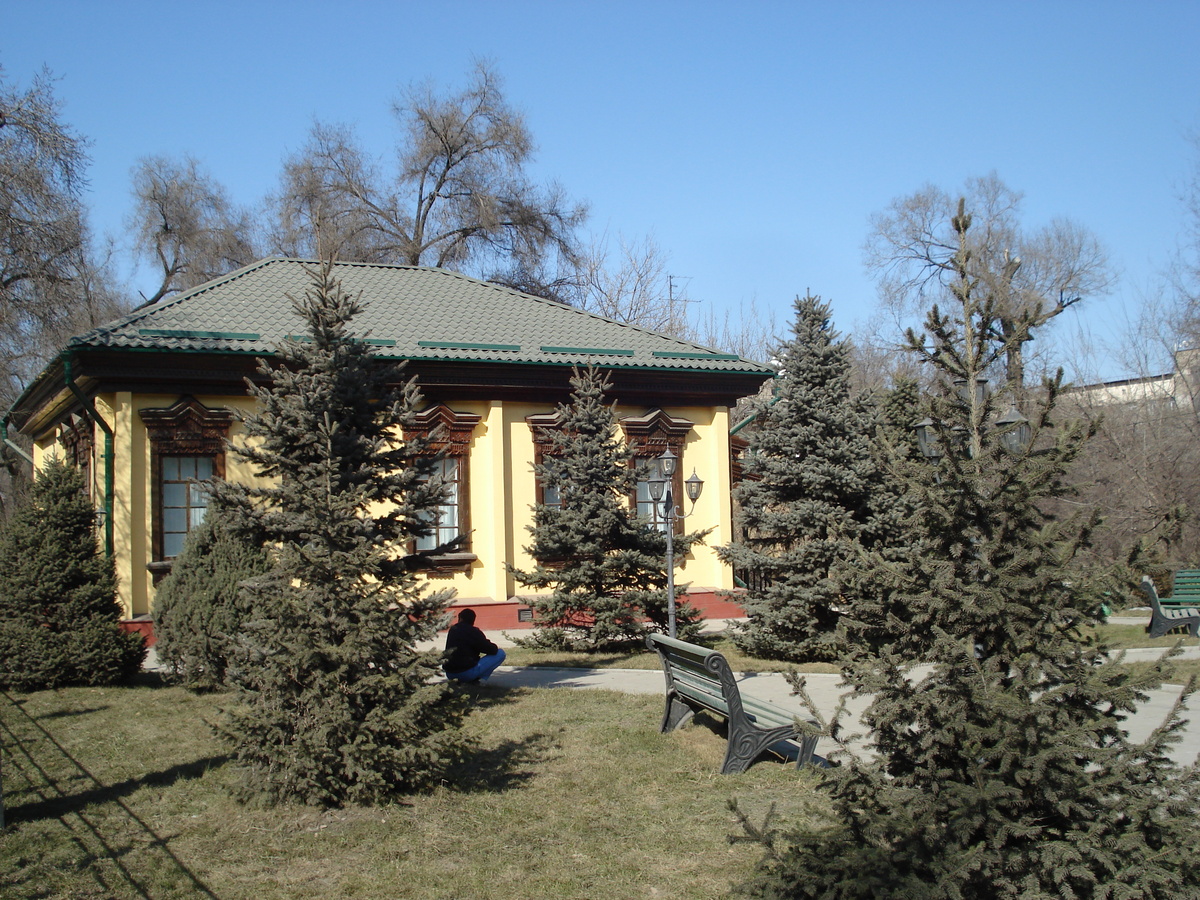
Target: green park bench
[1185, 589]
[1164, 619]
[700, 679]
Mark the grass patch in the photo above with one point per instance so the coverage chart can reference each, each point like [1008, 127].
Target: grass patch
[1181, 669]
[124, 792]
[1125, 637]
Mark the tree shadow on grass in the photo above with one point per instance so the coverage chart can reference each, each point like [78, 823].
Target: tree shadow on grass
[69, 713]
[53, 773]
[507, 765]
[62, 803]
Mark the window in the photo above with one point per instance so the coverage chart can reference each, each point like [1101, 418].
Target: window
[647, 468]
[449, 433]
[187, 445]
[446, 519]
[77, 441]
[649, 435]
[184, 500]
[543, 427]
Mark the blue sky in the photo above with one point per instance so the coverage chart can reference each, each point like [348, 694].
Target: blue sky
[752, 140]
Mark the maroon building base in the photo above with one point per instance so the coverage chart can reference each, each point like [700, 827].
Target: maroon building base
[514, 615]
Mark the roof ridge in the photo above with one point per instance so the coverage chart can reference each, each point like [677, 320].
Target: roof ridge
[200, 289]
[567, 306]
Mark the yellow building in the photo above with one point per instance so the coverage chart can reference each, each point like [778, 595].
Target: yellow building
[146, 404]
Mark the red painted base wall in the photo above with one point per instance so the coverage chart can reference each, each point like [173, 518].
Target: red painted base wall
[142, 625]
[508, 616]
[511, 615]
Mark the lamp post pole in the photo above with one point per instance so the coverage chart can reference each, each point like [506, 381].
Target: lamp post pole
[670, 517]
[661, 489]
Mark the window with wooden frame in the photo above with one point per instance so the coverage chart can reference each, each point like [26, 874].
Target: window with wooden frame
[79, 445]
[187, 446]
[648, 436]
[543, 427]
[449, 433]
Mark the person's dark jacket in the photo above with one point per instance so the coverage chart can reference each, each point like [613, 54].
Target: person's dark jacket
[465, 644]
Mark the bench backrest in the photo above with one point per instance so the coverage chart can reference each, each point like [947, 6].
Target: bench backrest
[1186, 583]
[697, 672]
[1151, 593]
[1170, 612]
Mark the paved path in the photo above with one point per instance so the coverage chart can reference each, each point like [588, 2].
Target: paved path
[825, 691]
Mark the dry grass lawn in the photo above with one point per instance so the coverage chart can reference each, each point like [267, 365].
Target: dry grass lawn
[124, 792]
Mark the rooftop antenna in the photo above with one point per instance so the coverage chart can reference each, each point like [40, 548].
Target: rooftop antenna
[671, 296]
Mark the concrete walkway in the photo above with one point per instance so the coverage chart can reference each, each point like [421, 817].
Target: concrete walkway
[826, 691]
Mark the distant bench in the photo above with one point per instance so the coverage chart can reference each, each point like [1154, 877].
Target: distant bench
[1185, 589]
[1164, 619]
[699, 678]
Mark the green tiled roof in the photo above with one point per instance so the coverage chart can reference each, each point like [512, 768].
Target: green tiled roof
[409, 312]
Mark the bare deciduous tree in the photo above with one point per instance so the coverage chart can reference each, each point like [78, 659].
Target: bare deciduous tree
[459, 196]
[1143, 468]
[50, 287]
[1185, 270]
[634, 287]
[1038, 272]
[187, 225]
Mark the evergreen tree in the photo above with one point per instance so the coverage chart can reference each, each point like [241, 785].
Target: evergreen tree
[603, 563]
[1000, 767]
[806, 498]
[338, 704]
[199, 608]
[58, 603]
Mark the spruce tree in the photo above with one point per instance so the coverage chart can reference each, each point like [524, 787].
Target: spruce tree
[58, 604]
[338, 704]
[999, 766]
[199, 608]
[603, 563]
[806, 498]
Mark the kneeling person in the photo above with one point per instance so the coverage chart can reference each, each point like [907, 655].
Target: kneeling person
[469, 655]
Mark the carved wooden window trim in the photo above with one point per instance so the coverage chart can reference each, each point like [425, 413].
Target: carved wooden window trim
[543, 427]
[649, 435]
[188, 428]
[450, 432]
[79, 445]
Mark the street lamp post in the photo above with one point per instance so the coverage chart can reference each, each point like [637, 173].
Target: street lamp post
[660, 489]
[1015, 430]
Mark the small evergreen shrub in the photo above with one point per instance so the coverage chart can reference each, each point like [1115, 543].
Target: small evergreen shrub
[58, 609]
[199, 608]
[603, 564]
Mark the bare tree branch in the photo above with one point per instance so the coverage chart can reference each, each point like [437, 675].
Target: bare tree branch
[1030, 274]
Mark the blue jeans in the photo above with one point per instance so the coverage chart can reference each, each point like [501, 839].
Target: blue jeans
[482, 670]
